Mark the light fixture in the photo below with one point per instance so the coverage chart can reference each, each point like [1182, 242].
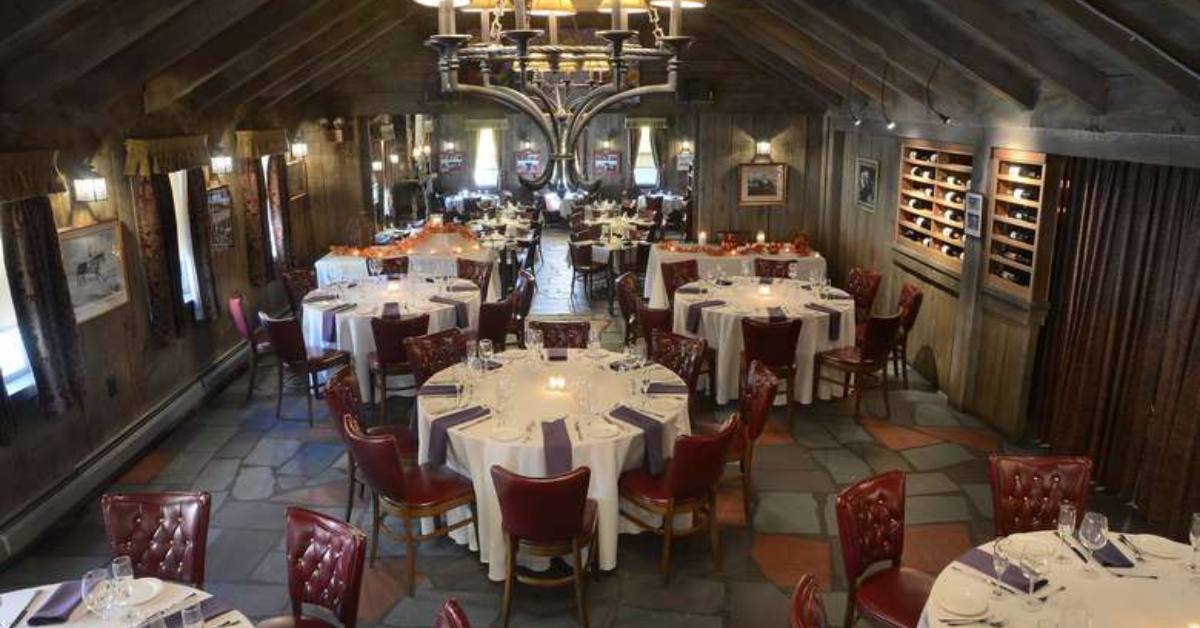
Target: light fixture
[763, 148]
[91, 189]
[458, 4]
[549, 8]
[221, 164]
[883, 96]
[929, 96]
[526, 145]
[476, 6]
[376, 166]
[606, 144]
[857, 121]
[447, 146]
[683, 4]
[299, 150]
[891, 124]
[628, 6]
[394, 158]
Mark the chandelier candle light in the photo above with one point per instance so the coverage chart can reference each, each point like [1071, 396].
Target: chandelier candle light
[560, 87]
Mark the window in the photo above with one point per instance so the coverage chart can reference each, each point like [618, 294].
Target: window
[645, 167]
[188, 278]
[487, 160]
[13, 361]
[270, 235]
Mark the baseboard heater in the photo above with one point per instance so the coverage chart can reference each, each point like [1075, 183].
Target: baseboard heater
[29, 524]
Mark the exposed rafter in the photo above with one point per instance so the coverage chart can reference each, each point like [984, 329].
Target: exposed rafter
[23, 22]
[757, 55]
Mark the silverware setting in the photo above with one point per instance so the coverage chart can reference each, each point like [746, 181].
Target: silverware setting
[1146, 576]
[983, 621]
[1137, 553]
[984, 578]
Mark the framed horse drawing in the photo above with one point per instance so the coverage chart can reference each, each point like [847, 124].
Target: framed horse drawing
[94, 261]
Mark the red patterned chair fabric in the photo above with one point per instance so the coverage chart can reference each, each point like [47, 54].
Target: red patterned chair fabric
[651, 320]
[563, 334]
[526, 285]
[325, 560]
[297, 283]
[683, 355]
[776, 268]
[1027, 490]
[429, 354]
[628, 300]
[863, 285]
[808, 609]
[479, 273]
[675, 275]
[494, 317]
[393, 265]
[164, 534]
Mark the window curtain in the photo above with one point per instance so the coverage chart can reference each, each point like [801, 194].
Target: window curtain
[1118, 375]
[253, 192]
[155, 209]
[42, 301]
[658, 142]
[197, 203]
[281, 214]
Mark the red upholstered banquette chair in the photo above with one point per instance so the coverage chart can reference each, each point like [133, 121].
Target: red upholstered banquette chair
[870, 516]
[433, 352]
[1027, 490]
[494, 317]
[866, 360]
[563, 334]
[808, 609]
[295, 359]
[683, 355]
[524, 289]
[675, 275]
[390, 358]
[325, 559]
[774, 345]
[629, 302]
[451, 616]
[652, 320]
[164, 534]
[297, 283]
[478, 273]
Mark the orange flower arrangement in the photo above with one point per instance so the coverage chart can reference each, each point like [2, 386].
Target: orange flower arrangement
[800, 246]
[405, 246]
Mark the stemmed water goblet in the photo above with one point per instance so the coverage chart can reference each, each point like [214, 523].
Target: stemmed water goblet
[1093, 535]
[1194, 537]
[192, 617]
[486, 351]
[1000, 559]
[1035, 563]
[97, 592]
[1066, 529]
[534, 342]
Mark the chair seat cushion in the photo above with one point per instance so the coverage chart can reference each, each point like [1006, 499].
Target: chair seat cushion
[327, 359]
[389, 368]
[639, 483]
[845, 356]
[406, 441]
[292, 621]
[895, 596]
[431, 484]
[737, 444]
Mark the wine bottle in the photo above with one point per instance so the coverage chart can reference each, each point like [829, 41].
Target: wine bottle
[1018, 192]
[912, 202]
[927, 191]
[922, 222]
[927, 241]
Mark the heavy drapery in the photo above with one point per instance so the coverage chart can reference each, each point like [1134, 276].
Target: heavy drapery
[1118, 378]
[281, 213]
[42, 302]
[164, 155]
[253, 190]
[154, 206]
[200, 222]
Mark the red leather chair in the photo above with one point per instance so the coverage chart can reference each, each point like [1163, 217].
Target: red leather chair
[687, 486]
[297, 283]
[683, 355]
[480, 274]
[255, 337]
[861, 361]
[451, 616]
[390, 358]
[758, 393]
[164, 534]
[408, 494]
[494, 319]
[911, 298]
[344, 401]
[295, 359]
[675, 275]
[547, 517]
[392, 266]
[775, 268]
[431, 353]
[808, 609]
[563, 334]
[774, 345]
[526, 285]
[1027, 490]
[863, 285]
[324, 568]
[585, 268]
[870, 516]
[651, 320]
[629, 303]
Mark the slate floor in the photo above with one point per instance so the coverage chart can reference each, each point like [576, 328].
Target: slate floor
[255, 466]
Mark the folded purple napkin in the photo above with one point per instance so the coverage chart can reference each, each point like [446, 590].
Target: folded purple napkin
[439, 435]
[492, 365]
[460, 287]
[835, 319]
[391, 310]
[666, 388]
[329, 321]
[766, 281]
[694, 310]
[556, 354]
[623, 365]
[1110, 556]
[463, 319]
[438, 390]
[652, 435]
[690, 290]
[557, 445]
[776, 315]
[212, 607]
[981, 561]
[59, 605]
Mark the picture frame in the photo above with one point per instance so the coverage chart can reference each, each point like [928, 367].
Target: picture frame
[973, 214]
[220, 218]
[297, 174]
[94, 261]
[866, 184]
[529, 162]
[452, 162]
[762, 184]
[606, 163]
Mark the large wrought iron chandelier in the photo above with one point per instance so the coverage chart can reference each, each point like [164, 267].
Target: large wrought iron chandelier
[560, 87]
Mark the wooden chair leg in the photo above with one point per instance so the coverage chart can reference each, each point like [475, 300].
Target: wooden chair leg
[849, 619]
[510, 557]
[791, 394]
[904, 363]
[350, 492]
[668, 531]
[887, 407]
[279, 392]
[410, 556]
[714, 532]
[580, 598]
[376, 521]
[382, 419]
[746, 490]
[309, 394]
[816, 379]
[253, 373]
[857, 393]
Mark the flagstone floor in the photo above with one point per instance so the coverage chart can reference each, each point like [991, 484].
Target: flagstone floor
[255, 466]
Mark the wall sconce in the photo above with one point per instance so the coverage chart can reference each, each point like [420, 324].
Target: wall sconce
[299, 150]
[221, 164]
[685, 146]
[447, 146]
[526, 145]
[376, 166]
[606, 144]
[91, 190]
[394, 158]
[763, 148]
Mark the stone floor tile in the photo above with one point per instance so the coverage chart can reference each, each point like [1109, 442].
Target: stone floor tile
[843, 465]
[634, 617]
[981, 497]
[239, 445]
[794, 481]
[251, 515]
[783, 458]
[813, 435]
[237, 553]
[929, 548]
[784, 558]
[254, 483]
[759, 605]
[835, 608]
[183, 468]
[846, 430]
[936, 414]
[312, 459]
[880, 458]
[983, 440]
[935, 509]
[936, 456]
[145, 470]
[257, 601]
[928, 483]
[273, 452]
[690, 595]
[273, 569]
[787, 513]
[217, 475]
[210, 439]
[896, 437]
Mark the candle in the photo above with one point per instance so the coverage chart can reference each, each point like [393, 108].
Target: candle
[764, 291]
[702, 238]
[393, 286]
[676, 17]
[556, 383]
[761, 238]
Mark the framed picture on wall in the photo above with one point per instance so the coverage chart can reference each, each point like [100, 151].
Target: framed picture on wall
[762, 184]
[94, 260]
[973, 221]
[220, 218]
[529, 163]
[866, 184]
[297, 174]
[452, 162]
[606, 163]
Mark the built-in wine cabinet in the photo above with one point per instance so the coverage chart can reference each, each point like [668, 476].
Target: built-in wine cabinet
[1020, 229]
[934, 179]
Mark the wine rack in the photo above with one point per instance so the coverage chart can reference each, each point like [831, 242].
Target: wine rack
[934, 181]
[1021, 223]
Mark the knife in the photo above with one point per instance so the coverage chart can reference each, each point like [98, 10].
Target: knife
[28, 605]
[1072, 548]
[1136, 552]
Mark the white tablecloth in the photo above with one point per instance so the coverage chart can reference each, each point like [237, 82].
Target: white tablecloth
[721, 326]
[656, 294]
[354, 326]
[671, 203]
[333, 268]
[171, 598]
[1171, 600]
[473, 452]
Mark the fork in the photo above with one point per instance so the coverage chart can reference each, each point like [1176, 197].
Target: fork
[1137, 553]
[972, 622]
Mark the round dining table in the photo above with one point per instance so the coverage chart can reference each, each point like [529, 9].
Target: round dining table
[714, 310]
[1074, 597]
[339, 317]
[656, 291]
[173, 598]
[514, 411]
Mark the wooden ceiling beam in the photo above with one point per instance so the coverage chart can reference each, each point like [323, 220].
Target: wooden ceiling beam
[758, 55]
[235, 43]
[83, 48]
[24, 21]
[1132, 46]
[343, 68]
[1035, 53]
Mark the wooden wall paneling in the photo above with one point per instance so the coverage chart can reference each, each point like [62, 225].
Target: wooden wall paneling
[1005, 359]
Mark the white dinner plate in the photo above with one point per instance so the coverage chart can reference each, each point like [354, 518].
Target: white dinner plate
[602, 430]
[145, 590]
[506, 434]
[964, 603]
[1158, 547]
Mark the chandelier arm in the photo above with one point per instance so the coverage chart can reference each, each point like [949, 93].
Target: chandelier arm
[522, 104]
[581, 121]
[592, 95]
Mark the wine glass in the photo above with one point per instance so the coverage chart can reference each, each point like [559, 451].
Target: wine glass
[1000, 559]
[1066, 529]
[122, 581]
[1093, 534]
[374, 266]
[534, 342]
[793, 271]
[192, 617]
[639, 352]
[1194, 537]
[594, 341]
[97, 592]
[486, 351]
[1035, 563]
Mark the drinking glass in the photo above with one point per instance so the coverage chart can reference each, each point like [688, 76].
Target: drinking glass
[793, 271]
[503, 397]
[122, 582]
[1000, 560]
[1194, 537]
[192, 617]
[154, 621]
[472, 348]
[1093, 534]
[97, 592]
[594, 340]
[374, 266]
[1035, 563]
[1066, 530]
[639, 352]
[486, 351]
[534, 342]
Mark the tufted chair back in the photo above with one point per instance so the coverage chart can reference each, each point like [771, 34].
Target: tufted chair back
[563, 334]
[1027, 490]
[480, 273]
[286, 337]
[870, 516]
[237, 311]
[164, 534]
[777, 268]
[698, 461]
[343, 398]
[389, 335]
[325, 558]
[808, 610]
[451, 616]
[879, 337]
[682, 354]
[863, 285]
[431, 353]
[757, 396]
[542, 510]
[493, 321]
[297, 283]
[627, 298]
[911, 298]
[581, 254]
[772, 343]
[378, 458]
[525, 286]
[678, 274]
[394, 265]
[653, 319]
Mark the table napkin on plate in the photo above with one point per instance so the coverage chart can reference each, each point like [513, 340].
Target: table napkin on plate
[694, 310]
[438, 390]
[557, 445]
[981, 561]
[59, 605]
[439, 437]
[776, 315]
[691, 290]
[835, 319]
[652, 435]
[462, 317]
[666, 388]
[1110, 556]
[391, 310]
[210, 608]
[556, 354]
[329, 321]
